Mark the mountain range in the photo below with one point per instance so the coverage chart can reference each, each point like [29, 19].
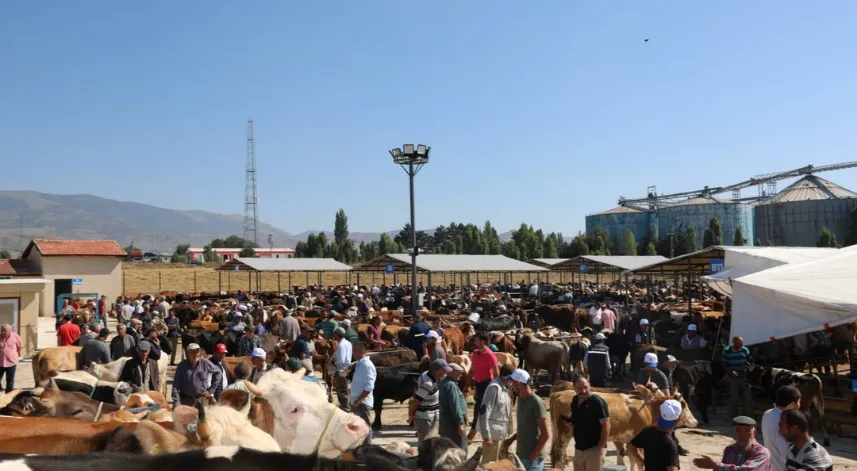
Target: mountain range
[29, 214]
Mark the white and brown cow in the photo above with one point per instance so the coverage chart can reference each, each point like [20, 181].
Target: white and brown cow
[629, 415]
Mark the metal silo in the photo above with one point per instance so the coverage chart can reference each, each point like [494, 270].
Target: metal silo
[796, 216]
[697, 213]
[617, 220]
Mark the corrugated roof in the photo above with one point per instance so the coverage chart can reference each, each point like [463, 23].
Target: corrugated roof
[283, 264]
[56, 247]
[17, 267]
[810, 188]
[618, 210]
[612, 262]
[702, 200]
[547, 262]
[437, 263]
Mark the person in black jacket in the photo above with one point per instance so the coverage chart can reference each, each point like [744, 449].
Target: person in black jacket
[140, 371]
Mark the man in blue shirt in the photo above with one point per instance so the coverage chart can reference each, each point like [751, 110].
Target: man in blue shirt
[341, 361]
[300, 349]
[362, 386]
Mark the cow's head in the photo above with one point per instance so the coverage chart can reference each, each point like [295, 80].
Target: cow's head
[305, 422]
[121, 392]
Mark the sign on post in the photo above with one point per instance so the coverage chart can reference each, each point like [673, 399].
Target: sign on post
[390, 269]
[717, 265]
[77, 281]
[582, 268]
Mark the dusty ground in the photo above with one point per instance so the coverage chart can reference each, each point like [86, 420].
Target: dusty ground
[708, 440]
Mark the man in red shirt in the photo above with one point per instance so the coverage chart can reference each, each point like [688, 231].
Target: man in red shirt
[67, 333]
[485, 368]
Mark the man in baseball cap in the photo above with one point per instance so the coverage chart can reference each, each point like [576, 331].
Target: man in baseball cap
[260, 366]
[532, 417]
[424, 410]
[745, 453]
[660, 450]
[644, 335]
[596, 362]
[453, 407]
[651, 374]
[692, 340]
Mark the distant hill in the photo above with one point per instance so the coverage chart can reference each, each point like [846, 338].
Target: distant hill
[150, 227]
[92, 217]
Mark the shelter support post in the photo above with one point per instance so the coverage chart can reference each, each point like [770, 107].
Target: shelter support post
[627, 290]
[430, 292]
[687, 290]
[358, 280]
[160, 290]
[219, 281]
[194, 281]
[290, 282]
[307, 279]
[249, 281]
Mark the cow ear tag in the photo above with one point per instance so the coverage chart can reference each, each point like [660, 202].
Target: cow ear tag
[191, 428]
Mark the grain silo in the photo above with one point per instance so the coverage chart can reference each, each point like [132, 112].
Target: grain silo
[617, 220]
[697, 213]
[796, 216]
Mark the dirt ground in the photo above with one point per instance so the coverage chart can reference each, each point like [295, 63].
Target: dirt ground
[705, 440]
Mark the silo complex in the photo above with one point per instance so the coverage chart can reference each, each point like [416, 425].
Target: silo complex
[697, 213]
[617, 220]
[795, 216]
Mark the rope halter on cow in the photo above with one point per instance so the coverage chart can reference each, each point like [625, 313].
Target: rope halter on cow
[324, 431]
[98, 411]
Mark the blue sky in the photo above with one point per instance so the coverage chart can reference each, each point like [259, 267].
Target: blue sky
[536, 111]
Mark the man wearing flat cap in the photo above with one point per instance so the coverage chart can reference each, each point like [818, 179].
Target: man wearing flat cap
[746, 454]
[140, 371]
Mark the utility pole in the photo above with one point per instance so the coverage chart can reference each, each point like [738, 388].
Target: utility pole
[251, 199]
[21, 232]
[271, 242]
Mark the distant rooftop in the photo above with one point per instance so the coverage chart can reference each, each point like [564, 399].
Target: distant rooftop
[702, 200]
[811, 188]
[52, 247]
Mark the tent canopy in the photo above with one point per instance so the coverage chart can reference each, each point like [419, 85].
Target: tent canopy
[796, 298]
[438, 263]
[283, 265]
[742, 261]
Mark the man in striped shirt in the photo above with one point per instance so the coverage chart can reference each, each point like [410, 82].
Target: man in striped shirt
[805, 454]
[424, 410]
[746, 454]
[737, 360]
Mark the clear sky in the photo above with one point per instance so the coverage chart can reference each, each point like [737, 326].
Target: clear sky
[536, 111]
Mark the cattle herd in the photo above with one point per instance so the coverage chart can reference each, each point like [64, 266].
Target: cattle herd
[85, 414]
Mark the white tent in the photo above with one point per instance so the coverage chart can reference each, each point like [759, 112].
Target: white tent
[742, 261]
[796, 298]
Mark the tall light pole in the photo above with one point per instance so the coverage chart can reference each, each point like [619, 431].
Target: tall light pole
[412, 158]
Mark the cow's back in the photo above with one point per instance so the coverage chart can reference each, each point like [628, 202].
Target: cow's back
[54, 359]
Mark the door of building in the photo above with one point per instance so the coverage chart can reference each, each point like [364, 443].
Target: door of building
[9, 312]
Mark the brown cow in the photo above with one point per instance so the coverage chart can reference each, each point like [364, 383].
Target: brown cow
[629, 415]
[502, 342]
[564, 316]
[53, 402]
[455, 338]
[54, 359]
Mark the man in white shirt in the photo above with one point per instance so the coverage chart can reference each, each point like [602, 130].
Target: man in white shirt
[595, 317]
[341, 362]
[787, 398]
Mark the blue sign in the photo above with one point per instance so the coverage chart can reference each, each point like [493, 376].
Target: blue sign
[77, 281]
[582, 268]
[717, 265]
[390, 269]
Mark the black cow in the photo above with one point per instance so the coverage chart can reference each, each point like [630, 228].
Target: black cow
[619, 350]
[809, 385]
[696, 380]
[220, 458]
[437, 453]
[207, 340]
[397, 383]
[504, 322]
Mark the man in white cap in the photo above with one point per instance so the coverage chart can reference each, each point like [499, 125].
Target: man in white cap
[644, 336]
[532, 416]
[433, 348]
[660, 453]
[596, 362]
[692, 340]
[651, 374]
[260, 366]
[195, 378]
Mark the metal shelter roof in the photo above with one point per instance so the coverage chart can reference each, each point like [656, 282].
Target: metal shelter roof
[607, 263]
[438, 263]
[698, 263]
[283, 264]
[547, 262]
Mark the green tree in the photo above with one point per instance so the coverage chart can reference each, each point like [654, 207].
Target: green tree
[770, 244]
[510, 249]
[176, 258]
[739, 239]
[650, 249]
[615, 247]
[209, 255]
[340, 227]
[182, 249]
[387, 245]
[403, 238]
[232, 242]
[492, 239]
[597, 241]
[578, 246]
[827, 238]
[248, 252]
[550, 249]
[758, 242]
[714, 234]
[629, 243]
[4, 254]
[851, 238]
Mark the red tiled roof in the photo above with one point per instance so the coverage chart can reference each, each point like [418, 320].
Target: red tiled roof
[50, 247]
[13, 267]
